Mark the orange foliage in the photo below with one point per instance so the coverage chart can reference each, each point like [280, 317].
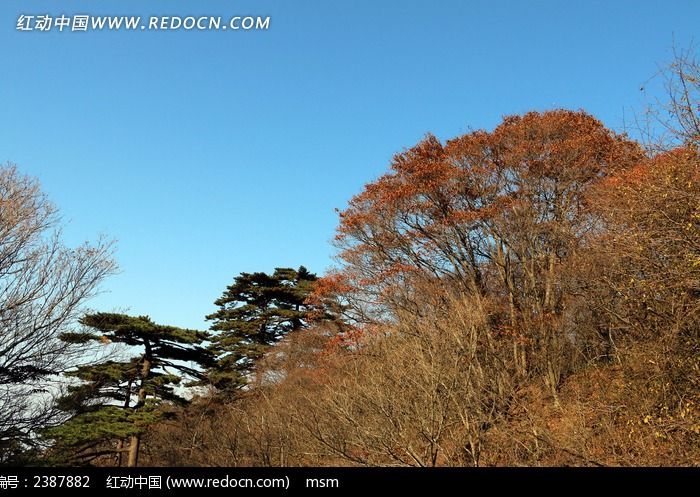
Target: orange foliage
[445, 211]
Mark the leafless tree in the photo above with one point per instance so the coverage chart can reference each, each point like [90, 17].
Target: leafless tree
[673, 119]
[43, 287]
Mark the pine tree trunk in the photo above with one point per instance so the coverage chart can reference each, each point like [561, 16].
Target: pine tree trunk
[134, 451]
[120, 444]
[136, 439]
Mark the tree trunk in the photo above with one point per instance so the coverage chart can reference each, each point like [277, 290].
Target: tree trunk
[136, 439]
[120, 444]
[134, 451]
[549, 284]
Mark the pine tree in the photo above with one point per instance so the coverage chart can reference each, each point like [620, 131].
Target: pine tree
[114, 400]
[255, 312]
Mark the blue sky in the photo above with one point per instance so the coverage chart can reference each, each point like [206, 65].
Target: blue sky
[205, 154]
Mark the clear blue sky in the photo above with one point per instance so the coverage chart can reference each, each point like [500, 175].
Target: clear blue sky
[205, 154]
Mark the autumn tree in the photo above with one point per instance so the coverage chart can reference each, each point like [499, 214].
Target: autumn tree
[43, 288]
[648, 283]
[493, 214]
[117, 400]
[255, 312]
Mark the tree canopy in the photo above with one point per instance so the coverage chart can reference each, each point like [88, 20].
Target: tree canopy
[255, 312]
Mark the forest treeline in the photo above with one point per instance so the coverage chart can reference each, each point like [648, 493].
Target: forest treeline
[528, 295]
